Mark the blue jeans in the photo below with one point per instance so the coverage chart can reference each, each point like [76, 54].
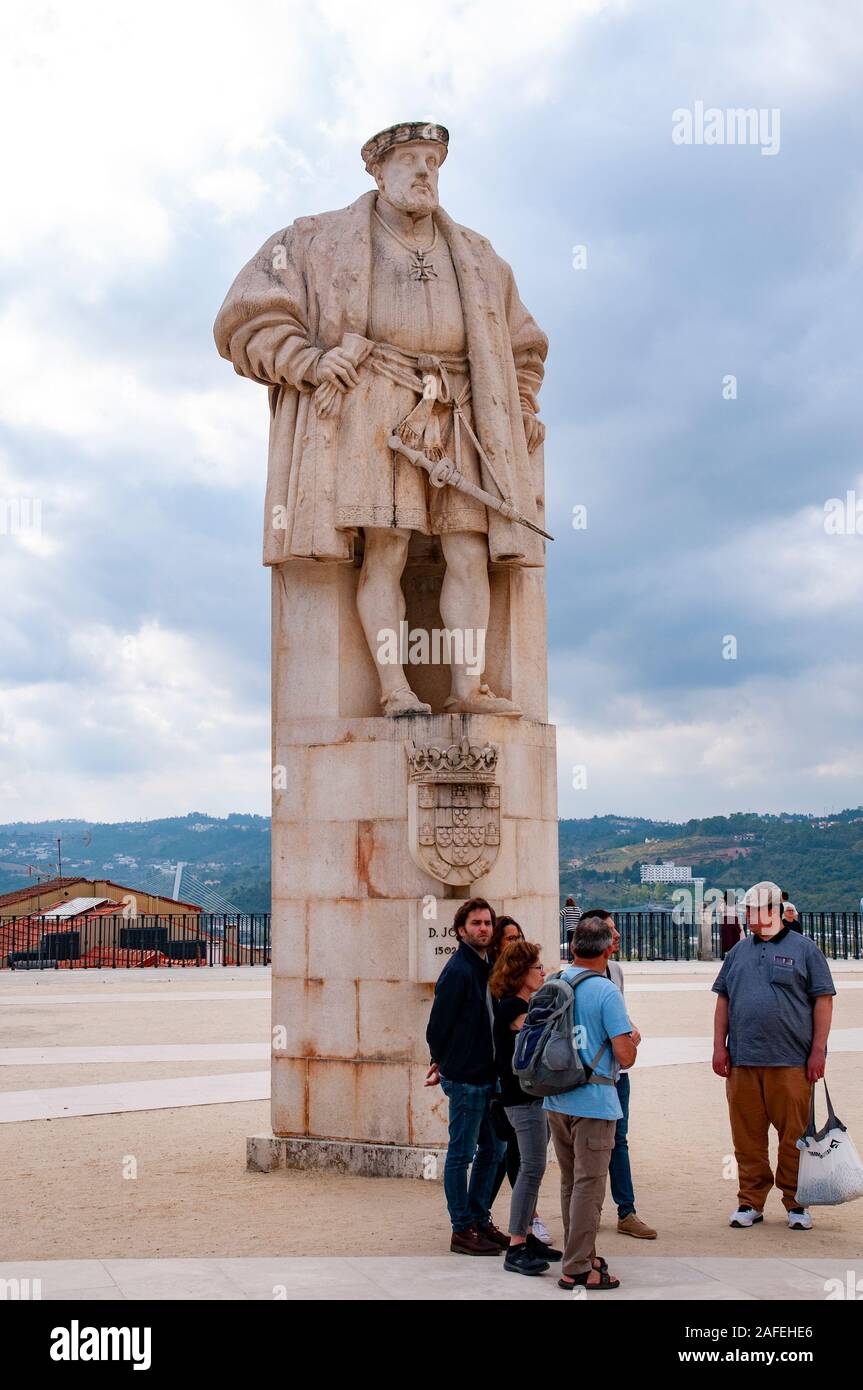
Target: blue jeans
[472, 1144]
[619, 1171]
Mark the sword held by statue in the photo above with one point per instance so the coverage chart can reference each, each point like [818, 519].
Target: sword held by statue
[444, 473]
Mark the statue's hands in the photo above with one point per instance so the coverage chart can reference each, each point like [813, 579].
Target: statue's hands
[534, 430]
[441, 473]
[337, 369]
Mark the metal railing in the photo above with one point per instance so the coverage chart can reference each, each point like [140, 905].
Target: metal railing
[667, 935]
[839, 934]
[117, 942]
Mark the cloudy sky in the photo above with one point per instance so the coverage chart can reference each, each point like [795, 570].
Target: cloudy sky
[149, 150]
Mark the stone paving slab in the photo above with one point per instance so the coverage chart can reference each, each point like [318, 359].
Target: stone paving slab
[445, 1278]
[166, 1093]
[10, 980]
[153, 996]
[640, 986]
[135, 1052]
[712, 967]
[767, 1278]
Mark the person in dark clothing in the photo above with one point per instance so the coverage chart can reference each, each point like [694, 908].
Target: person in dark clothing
[506, 930]
[730, 927]
[791, 917]
[459, 1037]
[517, 974]
[629, 1223]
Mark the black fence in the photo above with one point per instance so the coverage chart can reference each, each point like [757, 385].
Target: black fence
[666, 935]
[196, 939]
[118, 942]
[839, 934]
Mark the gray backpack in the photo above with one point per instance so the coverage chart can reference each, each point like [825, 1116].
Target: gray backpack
[545, 1059]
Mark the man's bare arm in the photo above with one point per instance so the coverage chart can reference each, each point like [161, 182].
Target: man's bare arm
[625, 1050]
[822, 1017]
[721, 1058]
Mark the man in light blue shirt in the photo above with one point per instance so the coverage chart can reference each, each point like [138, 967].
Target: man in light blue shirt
[583, 1121]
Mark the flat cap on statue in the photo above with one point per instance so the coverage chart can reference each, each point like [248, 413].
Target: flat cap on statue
[401, 135]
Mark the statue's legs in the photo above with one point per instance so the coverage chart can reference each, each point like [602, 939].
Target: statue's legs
[464, 600]
[464, 607]
[381, 606]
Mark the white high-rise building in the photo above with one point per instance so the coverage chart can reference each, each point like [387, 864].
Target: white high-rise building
[667, 872]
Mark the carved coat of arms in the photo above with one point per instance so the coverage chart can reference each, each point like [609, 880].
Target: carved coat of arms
[453, 810]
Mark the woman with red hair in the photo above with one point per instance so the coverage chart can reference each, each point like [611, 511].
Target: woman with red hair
[517, 974]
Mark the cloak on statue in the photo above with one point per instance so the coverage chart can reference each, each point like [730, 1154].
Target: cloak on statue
[302, 294]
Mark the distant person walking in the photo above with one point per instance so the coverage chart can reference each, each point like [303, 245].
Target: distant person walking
[730, 925]
[620, 1170]
[773, 1015]
[583, 1120]
[517, 975]
[460, 1042]
[569, 921]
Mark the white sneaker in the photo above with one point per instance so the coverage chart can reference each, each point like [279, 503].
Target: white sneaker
[541, 1231]
[800, 1220]
[745, 1216]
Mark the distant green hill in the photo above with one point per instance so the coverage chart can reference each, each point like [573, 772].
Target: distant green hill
[230, 855]
[819, 860]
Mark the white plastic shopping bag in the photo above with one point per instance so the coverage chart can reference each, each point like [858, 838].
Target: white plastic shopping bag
[830, 1170]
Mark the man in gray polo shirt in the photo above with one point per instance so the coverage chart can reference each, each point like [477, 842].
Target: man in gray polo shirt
[773, 1015]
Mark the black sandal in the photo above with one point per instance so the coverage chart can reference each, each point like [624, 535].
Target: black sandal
[601, 1268]
[606, 1281]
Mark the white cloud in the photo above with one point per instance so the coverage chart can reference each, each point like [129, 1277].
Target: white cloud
[144, 726]
[474, 58]
[770, 743]
[232, 191]
[113, 107]
[106, 405]
[789, 567]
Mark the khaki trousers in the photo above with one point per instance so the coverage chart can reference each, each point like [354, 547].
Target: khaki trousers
[583, 1148]
[759, 1097]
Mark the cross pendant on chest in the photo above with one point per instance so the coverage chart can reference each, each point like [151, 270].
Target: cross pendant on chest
[421, 269]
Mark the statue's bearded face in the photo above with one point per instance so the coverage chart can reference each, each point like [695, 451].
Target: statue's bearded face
[407, 176]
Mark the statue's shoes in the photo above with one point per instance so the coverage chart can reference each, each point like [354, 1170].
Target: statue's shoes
[482, 701]
[403, 701]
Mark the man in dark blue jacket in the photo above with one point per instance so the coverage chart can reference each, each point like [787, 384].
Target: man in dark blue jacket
[459, 1036]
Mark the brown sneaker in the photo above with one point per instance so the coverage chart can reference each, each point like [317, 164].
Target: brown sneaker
[491, 1232]
[470, 1242]
[632, 1225]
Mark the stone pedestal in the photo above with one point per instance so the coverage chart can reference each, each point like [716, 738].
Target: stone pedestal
[360, 930]
[705, 939]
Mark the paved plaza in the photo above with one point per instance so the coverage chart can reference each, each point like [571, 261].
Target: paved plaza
[125, 1102]
[427, 1277]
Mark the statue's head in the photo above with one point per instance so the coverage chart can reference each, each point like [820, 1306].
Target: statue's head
[404, 161]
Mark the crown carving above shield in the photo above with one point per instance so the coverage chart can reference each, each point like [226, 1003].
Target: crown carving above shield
[453, 810]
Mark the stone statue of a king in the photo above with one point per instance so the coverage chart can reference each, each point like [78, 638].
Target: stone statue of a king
[387, 317]
[404, 503]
